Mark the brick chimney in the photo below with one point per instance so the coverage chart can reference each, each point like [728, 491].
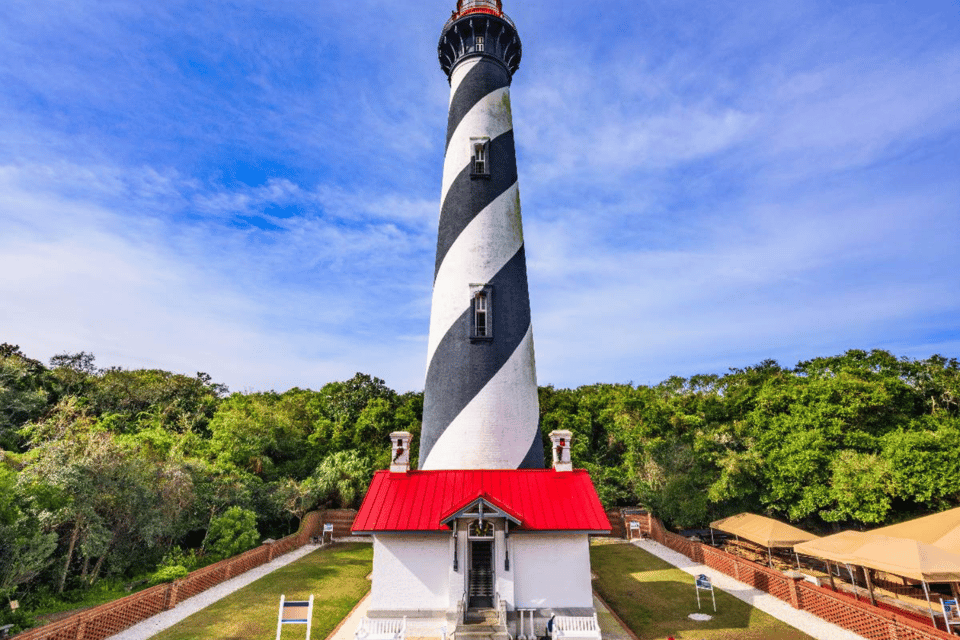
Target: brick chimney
[561, 450]
[400, 451]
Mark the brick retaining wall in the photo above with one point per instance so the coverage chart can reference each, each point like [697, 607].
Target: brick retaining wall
[112, 618]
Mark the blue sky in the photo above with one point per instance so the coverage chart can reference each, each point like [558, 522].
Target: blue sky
[251, 188]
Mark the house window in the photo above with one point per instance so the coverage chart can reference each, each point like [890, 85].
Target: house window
[480, 157]
[482, 326]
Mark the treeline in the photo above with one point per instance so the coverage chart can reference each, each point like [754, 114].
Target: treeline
[112, 477]
[124, 476]
[855, 440]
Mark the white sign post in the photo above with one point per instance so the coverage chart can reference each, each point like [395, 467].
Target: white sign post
[703, 582]
[634, 527]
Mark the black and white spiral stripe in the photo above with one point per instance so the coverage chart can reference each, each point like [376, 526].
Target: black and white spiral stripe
[480, 402]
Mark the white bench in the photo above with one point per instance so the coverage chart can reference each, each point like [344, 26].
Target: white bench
[381, 629]
[575, 628]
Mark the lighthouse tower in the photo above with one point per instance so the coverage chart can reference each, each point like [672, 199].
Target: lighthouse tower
[480, 397]
[481, 532]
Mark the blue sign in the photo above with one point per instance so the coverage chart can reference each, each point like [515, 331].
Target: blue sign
[951, 613]
[703, 582]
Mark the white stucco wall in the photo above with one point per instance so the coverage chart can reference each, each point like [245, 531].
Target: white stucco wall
[410, 572]
[551, 570]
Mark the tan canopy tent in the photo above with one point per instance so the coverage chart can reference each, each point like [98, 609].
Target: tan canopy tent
[898, 556]
[761, 530]
[940, 529]
[836, 548]
[907, 558]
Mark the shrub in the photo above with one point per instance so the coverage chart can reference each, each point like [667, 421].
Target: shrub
[232, 533]
[168, 573]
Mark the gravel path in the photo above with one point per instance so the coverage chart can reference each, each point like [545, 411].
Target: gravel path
[152, 626]
[802, 620]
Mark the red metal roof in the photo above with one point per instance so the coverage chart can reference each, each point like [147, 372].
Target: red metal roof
[542, 499]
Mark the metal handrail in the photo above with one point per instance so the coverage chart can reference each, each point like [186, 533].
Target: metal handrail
[489, 7]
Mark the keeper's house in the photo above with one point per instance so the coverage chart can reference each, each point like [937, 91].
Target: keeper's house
[452, 541]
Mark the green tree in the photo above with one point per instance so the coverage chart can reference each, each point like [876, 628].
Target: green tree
[24, 395]
[26, 548]
[232, 533]
[341, 480]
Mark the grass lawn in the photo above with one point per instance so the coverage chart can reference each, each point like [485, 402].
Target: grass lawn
[654, 599]
[336, 576]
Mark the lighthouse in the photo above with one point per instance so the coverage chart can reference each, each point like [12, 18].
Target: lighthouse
[480, 395]
[481, 541]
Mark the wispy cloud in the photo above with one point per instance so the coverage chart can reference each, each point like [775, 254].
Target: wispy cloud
[252, 190]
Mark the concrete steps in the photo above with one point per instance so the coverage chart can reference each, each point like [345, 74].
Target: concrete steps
[481, 624]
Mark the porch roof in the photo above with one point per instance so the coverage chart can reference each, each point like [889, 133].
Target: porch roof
[541, 499]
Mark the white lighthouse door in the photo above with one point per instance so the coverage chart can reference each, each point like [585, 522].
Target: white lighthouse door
[480, 577]
[480, 572]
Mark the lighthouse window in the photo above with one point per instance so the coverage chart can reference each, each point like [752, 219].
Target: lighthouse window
[481, 310]
[479, 42]
[482, 328]
[480, 160]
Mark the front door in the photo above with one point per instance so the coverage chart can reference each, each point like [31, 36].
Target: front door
[480, 588]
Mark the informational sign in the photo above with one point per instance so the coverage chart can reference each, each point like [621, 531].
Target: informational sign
[951, 612]
[703, 582]
[634, 528]
[327, 531]
[295, 612]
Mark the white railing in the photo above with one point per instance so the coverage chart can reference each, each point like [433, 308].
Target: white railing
[489, 7]
[461, 609]
[502, 615]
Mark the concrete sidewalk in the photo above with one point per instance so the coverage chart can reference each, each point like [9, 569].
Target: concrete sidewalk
[802, 620]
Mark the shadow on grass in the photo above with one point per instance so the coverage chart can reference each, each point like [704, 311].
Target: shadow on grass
[655, 599]
[335, 576]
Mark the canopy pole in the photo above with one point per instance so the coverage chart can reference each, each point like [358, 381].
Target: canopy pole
[712, 543]
[926, 592]
[833, 585]
[956, 596]
[770, 557]
[797, 556]
[866, 574]
[853, 580]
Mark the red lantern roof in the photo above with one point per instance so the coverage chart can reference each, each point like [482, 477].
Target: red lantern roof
[541, 499]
